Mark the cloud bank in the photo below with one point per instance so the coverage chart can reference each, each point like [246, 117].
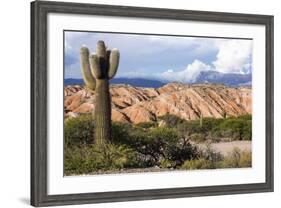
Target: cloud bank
[164, 58]
[234, 56]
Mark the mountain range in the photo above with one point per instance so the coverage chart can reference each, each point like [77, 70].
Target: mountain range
[213, 77]
[137, 82]
[229, 79]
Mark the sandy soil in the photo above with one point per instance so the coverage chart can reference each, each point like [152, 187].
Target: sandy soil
[226, 147]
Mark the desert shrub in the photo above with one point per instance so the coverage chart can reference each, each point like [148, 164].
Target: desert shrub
[247, 130]
[90, 158]
[211, 155]
[181, 152]
[193, 130]
[79, 130]
[198, 137]
[246, 117]
[237, 159]
[196, 164]
[154, 144]
[115, 157]
[165, 143]
[120, 132]
[245, 159]
[210, 123]
[207, 125]
[164, 163]
[239, 128]
[147, 125]
[233, 128]
[171, 121]
[207, 158]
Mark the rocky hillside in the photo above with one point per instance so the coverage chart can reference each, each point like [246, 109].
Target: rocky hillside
[136, 105]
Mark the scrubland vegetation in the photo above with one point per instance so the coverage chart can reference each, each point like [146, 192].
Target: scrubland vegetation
[171, 145]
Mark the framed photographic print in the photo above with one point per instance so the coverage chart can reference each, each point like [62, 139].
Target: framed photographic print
[131, 103]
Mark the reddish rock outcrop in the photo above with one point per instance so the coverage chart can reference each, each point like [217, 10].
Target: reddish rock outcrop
[136, 105]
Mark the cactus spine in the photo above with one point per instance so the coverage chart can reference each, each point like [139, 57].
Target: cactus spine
[97, 70]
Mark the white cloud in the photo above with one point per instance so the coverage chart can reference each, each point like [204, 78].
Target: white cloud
[187, 75]
[234, 56]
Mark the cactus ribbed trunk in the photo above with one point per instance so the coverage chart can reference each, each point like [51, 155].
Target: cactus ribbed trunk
[102, 112]
[97, 69]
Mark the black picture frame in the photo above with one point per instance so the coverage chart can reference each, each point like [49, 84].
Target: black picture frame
[39, 98]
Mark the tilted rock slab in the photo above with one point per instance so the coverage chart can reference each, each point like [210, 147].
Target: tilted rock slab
[137, 105]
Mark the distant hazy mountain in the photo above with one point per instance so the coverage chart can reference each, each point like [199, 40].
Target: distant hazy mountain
[233, 80]
[222, 78]
[137, 82]
[71, 81]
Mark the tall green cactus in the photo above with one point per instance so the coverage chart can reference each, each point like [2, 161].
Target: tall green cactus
[201, 119]
[97, 70]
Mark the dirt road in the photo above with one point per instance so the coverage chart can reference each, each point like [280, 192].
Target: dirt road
[226, 147]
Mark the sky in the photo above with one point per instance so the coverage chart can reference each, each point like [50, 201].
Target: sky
[163, 58]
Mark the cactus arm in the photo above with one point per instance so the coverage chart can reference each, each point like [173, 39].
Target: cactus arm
[113, 63]
[101, 49]
[95, 66]
[85, 68]
[101, 53]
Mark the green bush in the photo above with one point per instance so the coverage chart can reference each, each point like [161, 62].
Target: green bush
[154, 144]
[181, 152]
[198, 137]
[232, 128]
[239, 128]
[89, 158]
[164, 163]
[115, 157]
[120, 132]
[207, 159]
[237, 159]
[79, 130]
[147, 125]
[171, 121]
[157, 143]
[197, 164]
[210, 159]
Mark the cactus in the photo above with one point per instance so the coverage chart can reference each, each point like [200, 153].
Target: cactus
[88, 78]
[201, 119]
[97, 70]
[224, 115]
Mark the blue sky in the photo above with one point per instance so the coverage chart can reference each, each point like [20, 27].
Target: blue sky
[164, 58]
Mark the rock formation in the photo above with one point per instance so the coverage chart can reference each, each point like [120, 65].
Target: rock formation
[135, 105]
